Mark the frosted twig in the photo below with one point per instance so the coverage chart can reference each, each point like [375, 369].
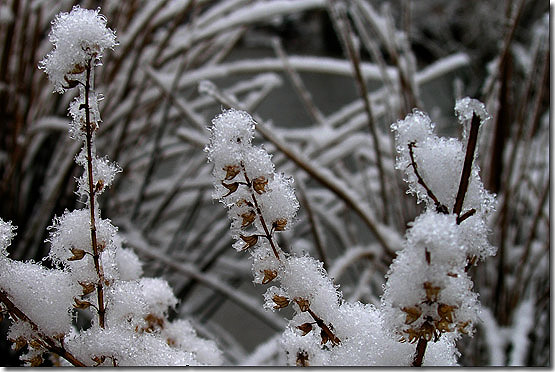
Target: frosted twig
[92, 187]
[346, 37]
[48, 342]
[297, 83]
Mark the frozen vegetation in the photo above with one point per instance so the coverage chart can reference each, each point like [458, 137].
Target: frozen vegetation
[362, 229]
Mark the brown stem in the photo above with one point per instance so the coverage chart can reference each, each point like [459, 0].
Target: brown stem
[267, 233]
[345, 34]
[420, 351]
[96, 254]
[333, 338]
[47, 342]
[439, 207]
[467, 167]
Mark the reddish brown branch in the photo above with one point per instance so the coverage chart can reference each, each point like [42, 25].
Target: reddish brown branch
[267, 233]
[467, 167]
[96, 253]
[440, 208]
[420, 351]
[49, 343]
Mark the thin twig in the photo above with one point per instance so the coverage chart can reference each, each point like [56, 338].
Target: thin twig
[345, 33]
[440, 208]
[467, 167]
[420, 351]
[96, 253]
[48, 342]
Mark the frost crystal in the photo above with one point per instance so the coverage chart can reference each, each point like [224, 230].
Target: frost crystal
[79, 37]
[6, 235]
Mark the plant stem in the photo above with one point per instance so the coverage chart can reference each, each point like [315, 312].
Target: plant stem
[420, 351]
[467, 167]
[96, 254]
[259, 213]
[48, 342]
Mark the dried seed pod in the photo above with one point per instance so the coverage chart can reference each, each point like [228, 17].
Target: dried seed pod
[19, 343]
[153, 322]
[453, 275]
[443, 326]
[77, 69]
[462, 327]
[324, 336]
[99, 359]
[413, 313]
[36, 361]
[413, 334]
[81, 304]
[269, 275]
[446, 312]
[304, 305]
[232, 187]
[87, 287]
[35, 344]
[242, 202]
[302, 359]
[250, 240]
[431, 292]
[78, 254]
[259, 184]
[231, 171]
[305, 328]
[99, 186]
[279, 225]
[248, 218]
[280, 301]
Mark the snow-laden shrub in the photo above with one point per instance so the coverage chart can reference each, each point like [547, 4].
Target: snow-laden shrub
[428, 293]
[91, 270]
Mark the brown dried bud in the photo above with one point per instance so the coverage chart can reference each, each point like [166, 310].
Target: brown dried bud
[413, 334]
[154, 323]
[445, 312]
[19, 343]
[77, 69]
[259, 184]
[427, 331]
[231, 171]
[280, 301]
[78, 254]
[443, 326]
[305, 328]
[35, 344]
[431, 292]
[304, 305]
[87, 287]
[248, 218]
[302, 359]
[250, 240]
[99, 359]
[232, 187]
[81, 304]
[453, 275]
[462, 327]
[413, 313]
[279, 225]
[101, 246]
[99, 186]
[239, 203]
[36, 361]
[269, 275]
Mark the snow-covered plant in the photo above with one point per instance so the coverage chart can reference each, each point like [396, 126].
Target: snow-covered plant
[429, 292]
[428, 288]
[90, 269]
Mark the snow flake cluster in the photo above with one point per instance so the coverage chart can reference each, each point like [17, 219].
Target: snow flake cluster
[79, 38]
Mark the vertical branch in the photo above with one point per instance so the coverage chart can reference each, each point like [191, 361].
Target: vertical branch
[96, 253]
[467, 167]
[345, 35]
